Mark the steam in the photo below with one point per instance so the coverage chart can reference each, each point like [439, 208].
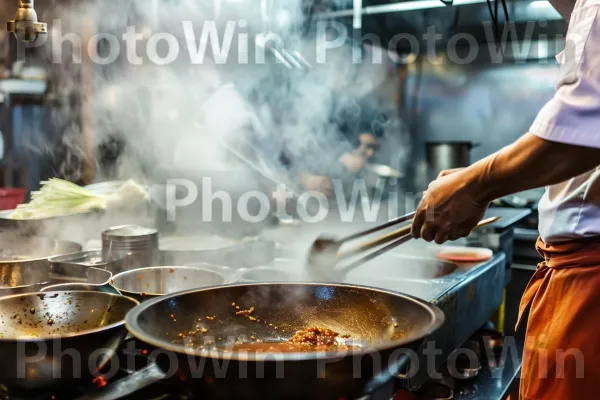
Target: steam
[173, 117]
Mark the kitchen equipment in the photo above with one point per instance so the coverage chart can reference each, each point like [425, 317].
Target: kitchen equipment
[16, 248]
[368, 315]
[326, 253]
[375, 173]
[39, 276]
[215, 250]
[137, 243]
[25, 26]
[37, 330]
[24, 277]
[91, 258]
[446, 155]
[178, 250]
[463, 254]
[24, 265]
[392, 265]
[280, 270]
[79, 277]
[146, 283]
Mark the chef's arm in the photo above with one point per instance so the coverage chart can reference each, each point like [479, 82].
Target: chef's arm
[528, 163]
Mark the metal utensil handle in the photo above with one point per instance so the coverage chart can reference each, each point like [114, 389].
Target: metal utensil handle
[398, 233]
[392, 222]
[377, 253]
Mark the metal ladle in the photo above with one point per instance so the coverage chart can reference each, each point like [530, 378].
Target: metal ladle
[325, 256]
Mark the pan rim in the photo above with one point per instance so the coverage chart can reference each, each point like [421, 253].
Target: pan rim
[131, 323]
[227, 280]
[73, 334]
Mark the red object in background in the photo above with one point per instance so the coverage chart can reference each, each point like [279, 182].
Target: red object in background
[10, 198]
[404, 395]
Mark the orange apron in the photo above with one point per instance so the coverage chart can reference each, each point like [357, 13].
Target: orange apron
[561, 359]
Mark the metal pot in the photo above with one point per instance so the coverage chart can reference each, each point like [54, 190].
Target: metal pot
[137, 243]
[146, 283]
[442, 156]
[24, 265]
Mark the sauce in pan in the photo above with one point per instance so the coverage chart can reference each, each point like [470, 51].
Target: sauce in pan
[305, 341]
[287, 347]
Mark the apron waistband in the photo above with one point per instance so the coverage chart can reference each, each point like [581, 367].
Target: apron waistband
[575, 253]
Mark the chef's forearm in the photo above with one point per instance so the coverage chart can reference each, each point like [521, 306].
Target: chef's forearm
[529, 163]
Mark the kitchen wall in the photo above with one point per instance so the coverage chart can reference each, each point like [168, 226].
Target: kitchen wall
[485, 103]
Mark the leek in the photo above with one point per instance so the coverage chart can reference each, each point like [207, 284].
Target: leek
[58, 197]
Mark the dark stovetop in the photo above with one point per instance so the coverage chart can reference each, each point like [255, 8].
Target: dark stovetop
[495, 380]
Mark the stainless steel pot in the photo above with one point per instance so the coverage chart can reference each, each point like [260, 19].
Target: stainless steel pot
[146, 283]
[442, 156]
[137, 243]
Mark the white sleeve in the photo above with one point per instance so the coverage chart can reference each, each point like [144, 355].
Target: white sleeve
[572, 116]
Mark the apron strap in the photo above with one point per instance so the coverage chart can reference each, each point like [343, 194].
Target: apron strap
[532, 288]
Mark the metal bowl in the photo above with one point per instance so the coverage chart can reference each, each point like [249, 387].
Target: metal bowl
[38, 329]
[24, 277]
[24, 265]
[145, 283]
[17, 249]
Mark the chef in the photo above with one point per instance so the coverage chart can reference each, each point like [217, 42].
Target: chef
[354, 138]
[562, 152]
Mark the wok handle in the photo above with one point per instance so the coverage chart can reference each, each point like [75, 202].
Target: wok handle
[128, 385]
[388, 374]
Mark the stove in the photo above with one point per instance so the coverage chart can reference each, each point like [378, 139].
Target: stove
[140, 379]
[467, 296]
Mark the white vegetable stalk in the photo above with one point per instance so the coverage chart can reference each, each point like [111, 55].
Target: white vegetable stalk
[58, 197]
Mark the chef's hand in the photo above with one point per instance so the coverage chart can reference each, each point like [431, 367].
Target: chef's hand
[450, 208]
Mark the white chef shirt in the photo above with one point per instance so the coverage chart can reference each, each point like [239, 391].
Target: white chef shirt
[571, 209]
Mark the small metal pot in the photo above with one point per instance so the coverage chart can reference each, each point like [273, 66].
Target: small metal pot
[137, 243]
[442, 156]
[146, 283]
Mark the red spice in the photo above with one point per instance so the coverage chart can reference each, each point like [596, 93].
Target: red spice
[100, 381]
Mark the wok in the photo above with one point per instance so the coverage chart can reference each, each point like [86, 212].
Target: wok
[145, 283]
[24, 265]
[47, 340]
[366, 314]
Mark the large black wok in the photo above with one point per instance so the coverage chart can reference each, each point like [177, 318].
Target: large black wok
[385, 324]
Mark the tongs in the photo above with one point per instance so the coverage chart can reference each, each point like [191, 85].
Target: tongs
[325, 258]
